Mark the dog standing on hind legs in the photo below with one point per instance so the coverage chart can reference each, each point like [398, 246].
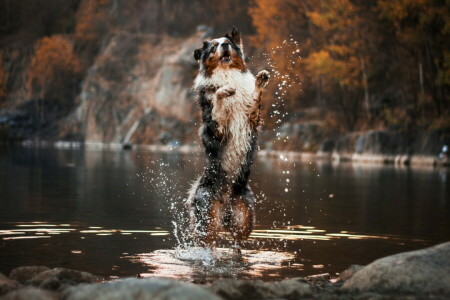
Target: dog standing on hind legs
[230, 100]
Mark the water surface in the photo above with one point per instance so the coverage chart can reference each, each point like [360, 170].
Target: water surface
[112, 213]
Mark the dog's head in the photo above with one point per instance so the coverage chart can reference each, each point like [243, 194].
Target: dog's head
[222, 53]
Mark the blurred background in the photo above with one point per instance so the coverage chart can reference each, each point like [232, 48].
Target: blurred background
[348, 76]
[350, 80]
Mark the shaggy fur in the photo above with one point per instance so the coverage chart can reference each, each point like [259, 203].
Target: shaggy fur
[230, 100]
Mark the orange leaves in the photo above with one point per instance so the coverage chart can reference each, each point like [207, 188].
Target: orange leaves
[276, 23]
[265, 18]
[275, 19]
[321, 63]
[91, 20]
[342, 43]
[54, 61]
[332, 15]
[345, 73]
[397, 10]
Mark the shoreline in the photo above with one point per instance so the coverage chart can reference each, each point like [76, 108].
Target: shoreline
[401, 160]
[419, 274]
[397, 160]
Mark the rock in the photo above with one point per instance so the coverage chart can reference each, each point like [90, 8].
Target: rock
[289, 288]
[59, 278]
[164, 137]
[3, 277]
[138, 289]
[25, 273]
[30, 293]
[431, 142]
[123, 89]
[346, 143]
[7, 285]
[345, 275]
[327, 146]
[319, 277]
[382, 142]
[423, 271]
[247, 289]
[127, 146]
[206, 31]
[373, 142]
[174, 143]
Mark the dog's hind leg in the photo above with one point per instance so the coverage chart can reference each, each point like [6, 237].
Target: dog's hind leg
[240, 217]
[206, 216]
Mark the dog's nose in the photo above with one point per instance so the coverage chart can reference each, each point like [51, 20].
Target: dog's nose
[225, 46]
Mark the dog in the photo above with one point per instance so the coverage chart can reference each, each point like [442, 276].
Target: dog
[230, 100]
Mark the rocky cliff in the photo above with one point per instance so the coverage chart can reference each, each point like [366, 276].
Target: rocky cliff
[137, 90]
[142, 97]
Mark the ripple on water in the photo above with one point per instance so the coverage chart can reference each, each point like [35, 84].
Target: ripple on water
[198, 264]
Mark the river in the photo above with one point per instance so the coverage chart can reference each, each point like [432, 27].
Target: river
[113, 213]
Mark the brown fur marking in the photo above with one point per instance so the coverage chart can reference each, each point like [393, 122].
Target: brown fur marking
[211, 64]
[241, 219]
[237, 62]
[214, 225]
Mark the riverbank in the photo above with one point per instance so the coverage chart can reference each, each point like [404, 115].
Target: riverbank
[379, 159]
[401, 160]
[421, 274]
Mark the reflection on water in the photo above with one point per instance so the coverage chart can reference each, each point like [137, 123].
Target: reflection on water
[92, 230]
[111, 213]
[202, 265]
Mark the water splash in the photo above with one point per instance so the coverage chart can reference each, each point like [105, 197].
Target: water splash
[162, 181]
[203, 265]
[285, 83]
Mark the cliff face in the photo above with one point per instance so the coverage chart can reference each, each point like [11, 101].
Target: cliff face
[141, 97]
[138, 90]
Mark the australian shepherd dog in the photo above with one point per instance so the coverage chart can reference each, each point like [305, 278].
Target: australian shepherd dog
[230, 100]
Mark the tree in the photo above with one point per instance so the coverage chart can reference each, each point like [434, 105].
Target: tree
[279, 26]
[54, 71]
[422, 31]
[342, 62]
[92, 20]
[333, 42]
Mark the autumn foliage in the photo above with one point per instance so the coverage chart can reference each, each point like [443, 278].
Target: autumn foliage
[54, 69]
[359, 64]
[363, 60]
[92, 20]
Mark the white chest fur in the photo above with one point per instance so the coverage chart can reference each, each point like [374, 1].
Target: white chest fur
[233, 119]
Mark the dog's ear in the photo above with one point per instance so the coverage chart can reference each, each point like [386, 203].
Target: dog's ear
[235, 36]
[197, 54]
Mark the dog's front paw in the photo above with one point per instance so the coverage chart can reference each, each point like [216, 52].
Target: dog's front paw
[262, 79]
[225, 91]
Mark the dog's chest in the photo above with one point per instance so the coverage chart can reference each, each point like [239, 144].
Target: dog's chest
[237, 126]
[234, 118]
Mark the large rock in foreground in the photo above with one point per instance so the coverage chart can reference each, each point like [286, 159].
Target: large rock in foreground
[7, 285]
[232, 289]
[139, 289]
[30, 293]
[25, 273]
[425, 271]
[59, 278]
